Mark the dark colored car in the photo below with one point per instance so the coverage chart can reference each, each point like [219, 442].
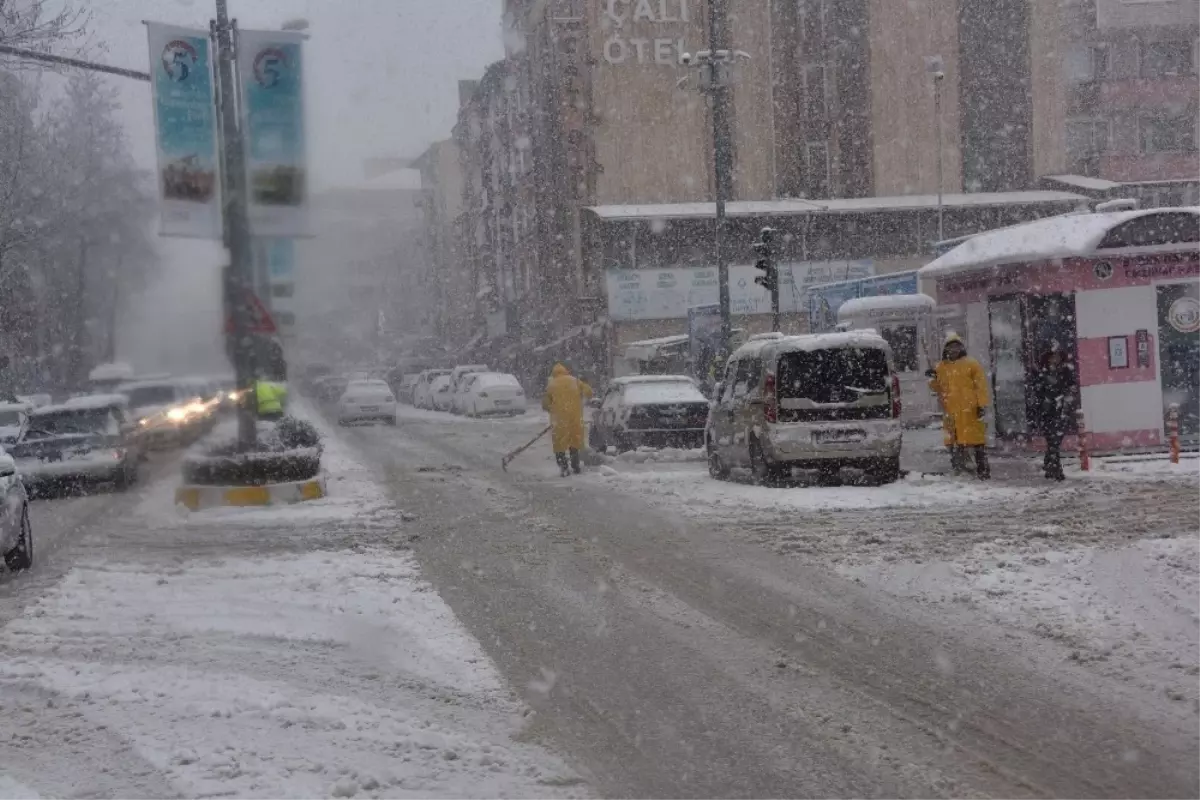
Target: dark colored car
[651, 410]
[74, 446]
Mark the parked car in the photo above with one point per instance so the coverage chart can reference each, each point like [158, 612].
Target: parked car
[367, 401]
[405, 387]
[14, 419]
[77, 444]
[422, 396]
[456, 379]
[458, 392]
[819, 401]
[440, 396]
[492, 393]
[653, 410]
[16, 534]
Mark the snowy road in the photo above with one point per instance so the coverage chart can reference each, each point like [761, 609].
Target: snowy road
[674, 647]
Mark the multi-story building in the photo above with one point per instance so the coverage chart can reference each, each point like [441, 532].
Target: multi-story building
[1130, 96]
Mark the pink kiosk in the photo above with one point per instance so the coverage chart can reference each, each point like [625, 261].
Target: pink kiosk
[1118, 293]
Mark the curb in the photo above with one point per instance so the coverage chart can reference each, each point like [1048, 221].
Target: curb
[196, 498]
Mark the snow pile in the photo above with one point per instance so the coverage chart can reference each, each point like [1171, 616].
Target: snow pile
[308, 675]
[664, 455]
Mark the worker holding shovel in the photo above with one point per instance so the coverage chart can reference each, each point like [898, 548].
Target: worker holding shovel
[564, 399]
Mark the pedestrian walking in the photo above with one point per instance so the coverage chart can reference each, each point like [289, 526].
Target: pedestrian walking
[1054, 407]
[961, 385]
[564, 398]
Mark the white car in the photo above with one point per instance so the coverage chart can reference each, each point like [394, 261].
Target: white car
[367, 400]
[16, 535]
[14, 419]
[422, 396]
[492, 393]
[440, 396]
[458, 391]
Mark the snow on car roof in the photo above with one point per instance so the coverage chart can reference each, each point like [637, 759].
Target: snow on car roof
[95, 401]
[886, 302]
[663, 392]
[815, 341]
[124, 388]
[628, 379]
[1041, 240]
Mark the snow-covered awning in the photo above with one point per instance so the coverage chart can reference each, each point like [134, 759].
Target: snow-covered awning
[1084, 182]
[650, 349]
[1066, 236]
[847, 205]
[886, 302]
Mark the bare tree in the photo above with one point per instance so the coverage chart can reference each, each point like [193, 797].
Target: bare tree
[40, 24]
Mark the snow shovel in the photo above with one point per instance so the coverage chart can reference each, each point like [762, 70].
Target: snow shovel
[504, 461]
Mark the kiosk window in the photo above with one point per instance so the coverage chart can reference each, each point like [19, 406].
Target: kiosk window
[903, 340]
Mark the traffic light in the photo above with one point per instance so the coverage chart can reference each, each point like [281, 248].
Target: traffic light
[765, 251]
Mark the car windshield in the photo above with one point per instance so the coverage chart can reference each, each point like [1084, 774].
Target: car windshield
[142, 396]
[57, 423]
[833, 375]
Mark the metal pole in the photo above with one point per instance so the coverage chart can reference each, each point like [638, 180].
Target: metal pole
[937, 113]
[239, 276]
[718, 34]
[50, 58]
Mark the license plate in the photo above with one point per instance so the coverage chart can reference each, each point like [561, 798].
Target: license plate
[368, 408]
[504, 402]
[838, 436]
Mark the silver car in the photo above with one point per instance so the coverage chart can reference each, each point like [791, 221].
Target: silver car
[16, 535]
[820, 401]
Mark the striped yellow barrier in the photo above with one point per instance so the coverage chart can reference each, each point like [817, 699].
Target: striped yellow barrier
[197, 498]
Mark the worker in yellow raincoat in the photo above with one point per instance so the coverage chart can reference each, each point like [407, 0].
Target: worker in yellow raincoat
[961, 385]
[564, 398]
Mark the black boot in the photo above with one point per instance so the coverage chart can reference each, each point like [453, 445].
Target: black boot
[575, 461]
[982, 469]
[564, 469]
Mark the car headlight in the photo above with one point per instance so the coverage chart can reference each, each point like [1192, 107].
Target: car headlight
[195, 408]
[177, 414]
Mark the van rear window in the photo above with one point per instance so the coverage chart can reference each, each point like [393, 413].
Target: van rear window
[834, 375]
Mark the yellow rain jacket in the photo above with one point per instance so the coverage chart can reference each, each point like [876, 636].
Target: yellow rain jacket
[270, 397]
[564, 400]
[962, 387]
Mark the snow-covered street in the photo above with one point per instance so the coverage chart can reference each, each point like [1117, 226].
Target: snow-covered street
[289, 652]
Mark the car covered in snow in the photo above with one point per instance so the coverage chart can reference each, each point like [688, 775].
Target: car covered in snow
[422, 395]
[76, 444]
[441, 395]
[368, 400]
[16, 534]
[817, 401]
[650, 410]
[485, 393]
[14, 418]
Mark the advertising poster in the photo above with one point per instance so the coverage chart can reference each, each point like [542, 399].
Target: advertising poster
[271, 74]
[181, 85]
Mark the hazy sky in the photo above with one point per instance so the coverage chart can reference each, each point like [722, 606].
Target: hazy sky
[382, 81]
[382, 73]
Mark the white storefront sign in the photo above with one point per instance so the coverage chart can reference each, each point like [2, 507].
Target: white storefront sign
[638, 294]
[623, 45]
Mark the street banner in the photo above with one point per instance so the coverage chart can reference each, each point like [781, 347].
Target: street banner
[271, 75]
[181, 85]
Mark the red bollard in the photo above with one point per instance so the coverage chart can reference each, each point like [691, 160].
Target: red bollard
[1085, 460]
[1173, 431]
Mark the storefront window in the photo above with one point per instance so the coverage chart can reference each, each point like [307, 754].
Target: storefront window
[1008, 361]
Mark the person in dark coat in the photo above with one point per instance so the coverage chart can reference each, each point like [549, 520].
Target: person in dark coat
[1054, 403]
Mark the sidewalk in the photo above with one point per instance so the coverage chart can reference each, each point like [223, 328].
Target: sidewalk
[290, 652]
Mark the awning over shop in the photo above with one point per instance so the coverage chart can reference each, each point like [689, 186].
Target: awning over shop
[650, 349]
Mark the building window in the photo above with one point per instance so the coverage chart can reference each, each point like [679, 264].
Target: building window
[1168, 59]
[817, 159]
[1168, 134]
[568, 9]
[814, 91]
[1085, 63]
[1087, 138]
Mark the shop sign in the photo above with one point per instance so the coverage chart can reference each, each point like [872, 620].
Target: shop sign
[652, 18]
[1184, 314]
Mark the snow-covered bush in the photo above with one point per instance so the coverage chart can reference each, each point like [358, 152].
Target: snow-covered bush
[289, 450]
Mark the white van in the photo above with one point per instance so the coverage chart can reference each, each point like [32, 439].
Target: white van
[819, 401]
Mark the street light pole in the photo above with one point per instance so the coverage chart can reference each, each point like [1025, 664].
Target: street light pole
[718, 35]
[937, 113]
[239, 276]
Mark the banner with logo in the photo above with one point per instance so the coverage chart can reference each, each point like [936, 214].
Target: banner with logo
[181, 84]
[270, 68]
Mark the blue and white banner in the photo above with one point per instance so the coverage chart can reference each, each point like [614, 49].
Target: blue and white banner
[181, 83]
[270, 68]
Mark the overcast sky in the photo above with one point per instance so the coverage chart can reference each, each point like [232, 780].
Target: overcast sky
[382, 74]
[382, 81]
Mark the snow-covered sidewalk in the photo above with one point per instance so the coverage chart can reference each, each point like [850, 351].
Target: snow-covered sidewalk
[291, 652]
